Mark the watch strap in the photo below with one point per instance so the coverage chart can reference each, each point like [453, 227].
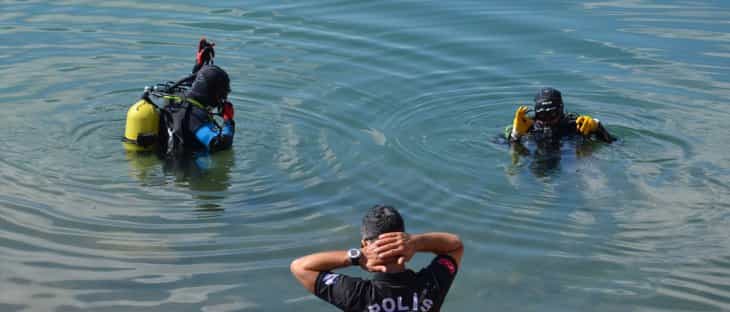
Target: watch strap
[354, 254]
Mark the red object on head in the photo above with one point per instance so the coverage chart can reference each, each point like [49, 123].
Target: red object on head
[205, 52]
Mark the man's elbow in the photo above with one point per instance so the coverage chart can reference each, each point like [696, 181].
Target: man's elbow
[296, 267]
[457, 250]
[305, 277]
[458, 244]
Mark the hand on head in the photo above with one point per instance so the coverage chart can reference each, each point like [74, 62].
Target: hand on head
[395, 244]
[389, 248]
[370, 261]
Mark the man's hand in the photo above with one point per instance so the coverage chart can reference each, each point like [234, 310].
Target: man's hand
[395, 244]
[370, 262]
[586, 125]
[522, 123]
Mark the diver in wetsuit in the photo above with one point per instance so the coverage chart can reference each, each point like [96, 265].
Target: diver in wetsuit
[552, 123]
[200, 120]
[547, 129]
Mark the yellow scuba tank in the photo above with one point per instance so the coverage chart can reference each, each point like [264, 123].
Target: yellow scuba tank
[142, 128]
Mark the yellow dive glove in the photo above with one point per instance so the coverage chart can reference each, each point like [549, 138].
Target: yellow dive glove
[586, 125]
[522, 123]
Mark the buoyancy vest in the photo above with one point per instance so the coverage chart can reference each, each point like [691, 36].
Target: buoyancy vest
[186, 126]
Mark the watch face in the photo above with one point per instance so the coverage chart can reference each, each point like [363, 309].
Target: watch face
[354, 253]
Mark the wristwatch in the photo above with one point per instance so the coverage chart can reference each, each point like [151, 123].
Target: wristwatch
[354, 255]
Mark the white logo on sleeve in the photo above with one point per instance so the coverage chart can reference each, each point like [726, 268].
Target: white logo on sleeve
[329, 279]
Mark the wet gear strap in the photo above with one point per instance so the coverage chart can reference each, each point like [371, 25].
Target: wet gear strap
[219, 122]
[175, 98]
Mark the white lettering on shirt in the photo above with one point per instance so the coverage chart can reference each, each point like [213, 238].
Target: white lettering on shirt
[400, 305]
[388, 304]
[396, 304]
[427, 304]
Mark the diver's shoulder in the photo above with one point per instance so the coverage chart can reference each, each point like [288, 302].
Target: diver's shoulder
[572, 115]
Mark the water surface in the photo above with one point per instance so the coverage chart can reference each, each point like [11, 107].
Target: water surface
[344, 104]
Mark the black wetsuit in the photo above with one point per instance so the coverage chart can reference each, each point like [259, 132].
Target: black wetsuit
[565, 127]
[388, 292]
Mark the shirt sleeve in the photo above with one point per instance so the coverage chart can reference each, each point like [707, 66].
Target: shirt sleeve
[345, 292]
[444, 269]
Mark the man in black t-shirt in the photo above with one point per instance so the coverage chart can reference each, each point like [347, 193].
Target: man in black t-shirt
[385, 248]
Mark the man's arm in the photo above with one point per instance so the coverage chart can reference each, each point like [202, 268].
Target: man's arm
[587, 126]
[404, 246]
[440, 244]
[512, 136]
[307, 268]
[508, 134]
[521, 124]
[603, 134]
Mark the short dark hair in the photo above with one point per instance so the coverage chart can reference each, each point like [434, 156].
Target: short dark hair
[381, 219]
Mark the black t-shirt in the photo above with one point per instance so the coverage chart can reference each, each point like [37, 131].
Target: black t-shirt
[389, 292]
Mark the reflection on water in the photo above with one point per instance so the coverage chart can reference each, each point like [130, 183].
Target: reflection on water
[544, 156]
[207, 173]
[209, 176]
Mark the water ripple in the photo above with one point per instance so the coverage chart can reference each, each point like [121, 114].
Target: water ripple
[344, 104]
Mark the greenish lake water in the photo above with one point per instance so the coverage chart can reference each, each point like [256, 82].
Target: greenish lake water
[344, 104]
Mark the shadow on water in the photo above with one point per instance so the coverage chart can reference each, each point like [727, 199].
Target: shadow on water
[207, 176]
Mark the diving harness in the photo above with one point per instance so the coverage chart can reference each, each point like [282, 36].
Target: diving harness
[142, 129]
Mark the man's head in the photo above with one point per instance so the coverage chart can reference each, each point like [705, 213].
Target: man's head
[380, 219]
[548, 106]
[211, 85]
